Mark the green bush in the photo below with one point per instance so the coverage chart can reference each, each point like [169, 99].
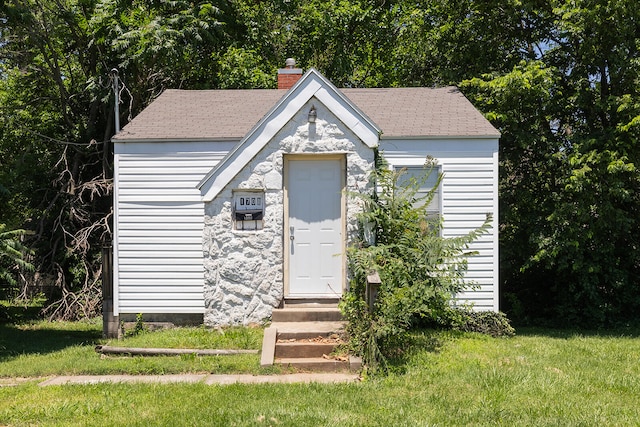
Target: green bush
[491, 323]
[419, 269]
[12, 254]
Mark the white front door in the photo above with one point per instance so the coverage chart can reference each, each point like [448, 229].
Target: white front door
[314, 226]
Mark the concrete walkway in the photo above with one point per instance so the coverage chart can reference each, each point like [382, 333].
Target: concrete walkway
[189, 378]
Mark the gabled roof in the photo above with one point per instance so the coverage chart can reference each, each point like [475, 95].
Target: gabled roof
[230, 114]
[201, 115]
[415, 112]
[311, 86]
[254, 117]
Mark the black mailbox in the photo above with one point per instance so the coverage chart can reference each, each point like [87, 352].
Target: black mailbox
[249, 215]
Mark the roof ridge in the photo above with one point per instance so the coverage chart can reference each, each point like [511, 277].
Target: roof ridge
[215, 114]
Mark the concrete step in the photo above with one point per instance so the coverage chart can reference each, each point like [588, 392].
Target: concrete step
[303, 330]
[302, 345]
[311, 303]
[303, 349]
[316, 364]
[306, 314]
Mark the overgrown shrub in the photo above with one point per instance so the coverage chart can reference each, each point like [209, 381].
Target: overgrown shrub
[420, 270]
[491, 323]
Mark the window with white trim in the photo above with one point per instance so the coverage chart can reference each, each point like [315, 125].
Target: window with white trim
[427, 178]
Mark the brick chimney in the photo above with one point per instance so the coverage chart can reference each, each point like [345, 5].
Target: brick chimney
[289, 75]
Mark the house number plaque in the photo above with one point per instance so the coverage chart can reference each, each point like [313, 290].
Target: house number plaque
[248, 210]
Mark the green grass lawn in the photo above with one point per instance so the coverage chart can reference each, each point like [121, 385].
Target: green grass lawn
[538, 378]
[33, 349]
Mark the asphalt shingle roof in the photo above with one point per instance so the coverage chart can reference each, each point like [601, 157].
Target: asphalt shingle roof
[230, 114]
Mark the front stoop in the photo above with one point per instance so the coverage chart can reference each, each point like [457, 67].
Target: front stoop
[303, 338]
[306, 314]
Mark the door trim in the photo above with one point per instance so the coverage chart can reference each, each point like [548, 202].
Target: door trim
[343, 222]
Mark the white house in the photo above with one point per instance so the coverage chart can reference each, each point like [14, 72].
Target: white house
[228, 202]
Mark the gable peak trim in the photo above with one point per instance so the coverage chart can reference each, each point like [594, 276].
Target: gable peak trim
[311, 84]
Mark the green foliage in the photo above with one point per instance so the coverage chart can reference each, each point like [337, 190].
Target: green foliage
[420, 270]
[495, 324]
[12, 254]
[161, 44]
[350, 42]
[243, 69]
[569, 179]
[54, 141]
[443, 42]
[57, 119]
[138, 326]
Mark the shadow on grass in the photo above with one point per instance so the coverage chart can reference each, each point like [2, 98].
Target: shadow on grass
[567, 333]
[22, 331]
[16, 340]
[417, 340]
[18, 313]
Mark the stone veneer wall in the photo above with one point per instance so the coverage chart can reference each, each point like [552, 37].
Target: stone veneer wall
[244, 269]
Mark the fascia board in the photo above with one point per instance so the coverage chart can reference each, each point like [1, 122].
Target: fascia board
[192, 145]
[430, 137]
[350, 116]
[171, 140]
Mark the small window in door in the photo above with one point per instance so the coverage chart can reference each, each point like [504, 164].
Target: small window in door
[248, 210]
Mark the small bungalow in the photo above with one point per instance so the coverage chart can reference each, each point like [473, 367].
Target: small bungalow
[229, 202]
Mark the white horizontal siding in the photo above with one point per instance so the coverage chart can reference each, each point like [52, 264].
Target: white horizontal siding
[188, 285]
[181, 289]
[160, 219]
[159, 297]
[158, 251]
[157, 306]
[468, 193]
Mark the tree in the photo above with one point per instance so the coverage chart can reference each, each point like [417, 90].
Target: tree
[444, 42]
[589, 245]
[349, 41]
[569, 179]
[162, 44]
[58, 119]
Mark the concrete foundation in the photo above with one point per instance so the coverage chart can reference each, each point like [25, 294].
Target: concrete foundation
[177, 319]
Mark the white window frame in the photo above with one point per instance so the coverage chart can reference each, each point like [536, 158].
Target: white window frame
[436, 171]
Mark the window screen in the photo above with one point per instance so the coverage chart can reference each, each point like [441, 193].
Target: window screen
[425, 184]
